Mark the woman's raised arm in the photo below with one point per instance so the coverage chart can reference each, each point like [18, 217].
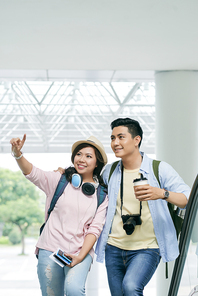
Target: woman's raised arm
[17, 144]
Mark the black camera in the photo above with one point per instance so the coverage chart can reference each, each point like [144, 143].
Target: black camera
[130, 221]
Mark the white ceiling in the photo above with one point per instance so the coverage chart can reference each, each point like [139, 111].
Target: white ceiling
[98, 35]
[87, 40]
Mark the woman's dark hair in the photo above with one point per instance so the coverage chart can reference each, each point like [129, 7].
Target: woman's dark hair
[133, 126]
[100, 164]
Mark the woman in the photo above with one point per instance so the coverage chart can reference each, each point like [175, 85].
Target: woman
[75, 222]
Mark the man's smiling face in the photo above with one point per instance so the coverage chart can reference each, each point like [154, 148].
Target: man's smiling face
[122, 143]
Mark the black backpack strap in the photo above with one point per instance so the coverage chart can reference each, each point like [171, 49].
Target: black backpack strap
[102, 191]
[114, 165]
[101, 194]
[59, 191]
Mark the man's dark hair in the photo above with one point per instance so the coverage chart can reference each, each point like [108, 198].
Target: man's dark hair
[133, 126]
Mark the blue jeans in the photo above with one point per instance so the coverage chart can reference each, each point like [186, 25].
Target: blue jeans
[58, 281]
[129, 271]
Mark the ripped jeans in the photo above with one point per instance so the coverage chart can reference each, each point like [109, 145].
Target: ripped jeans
[59, 281]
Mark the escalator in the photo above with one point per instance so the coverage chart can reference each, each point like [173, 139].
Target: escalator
[184, 280]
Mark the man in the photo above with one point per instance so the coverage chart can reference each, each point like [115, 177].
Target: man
[132, 258]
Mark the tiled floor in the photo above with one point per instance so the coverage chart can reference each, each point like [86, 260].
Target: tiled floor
[18, 274]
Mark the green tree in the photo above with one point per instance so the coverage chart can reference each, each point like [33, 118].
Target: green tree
[20, 202]
[13, 185]
[23, 213]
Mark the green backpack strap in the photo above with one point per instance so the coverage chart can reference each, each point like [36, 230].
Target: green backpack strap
[156, 173]
[177, 221]
[114, 165]
[156, 170]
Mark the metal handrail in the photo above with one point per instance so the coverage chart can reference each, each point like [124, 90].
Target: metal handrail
[191, 212]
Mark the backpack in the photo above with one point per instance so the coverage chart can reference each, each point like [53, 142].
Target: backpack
[101, 194]
[177, 220]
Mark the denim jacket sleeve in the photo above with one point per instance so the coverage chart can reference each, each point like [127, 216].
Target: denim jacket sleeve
[162, 221]
[113, 188]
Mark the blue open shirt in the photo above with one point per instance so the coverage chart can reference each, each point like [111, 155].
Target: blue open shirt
[163, 225]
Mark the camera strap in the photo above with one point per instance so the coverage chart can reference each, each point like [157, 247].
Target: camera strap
[121, 190]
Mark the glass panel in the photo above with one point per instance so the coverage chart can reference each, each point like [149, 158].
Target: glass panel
[189, 278]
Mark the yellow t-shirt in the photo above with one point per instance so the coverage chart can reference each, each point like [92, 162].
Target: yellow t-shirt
[143, 236]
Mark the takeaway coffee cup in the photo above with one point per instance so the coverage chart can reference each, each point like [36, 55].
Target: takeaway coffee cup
[140, 181]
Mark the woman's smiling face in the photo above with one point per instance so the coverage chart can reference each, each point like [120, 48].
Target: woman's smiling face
[85, 162]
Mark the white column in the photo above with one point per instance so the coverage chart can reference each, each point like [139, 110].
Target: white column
[176, 133]
[177, 121]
